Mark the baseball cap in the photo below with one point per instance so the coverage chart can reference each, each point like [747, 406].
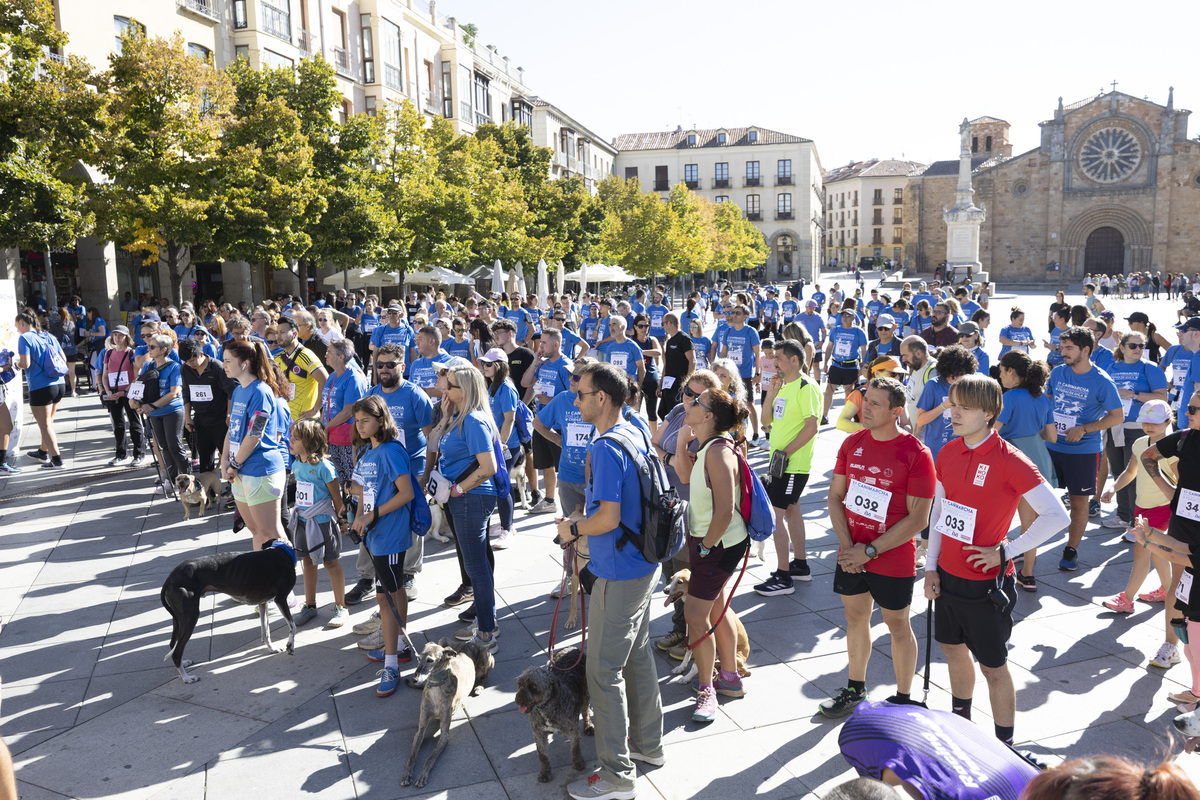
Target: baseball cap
[1156, 411]
[891, 365]
[848, 312]
[1107, 315]
[198, 329]
[1192, 324]
[1138, 316]
[120, 329]
[811, 304]
[494, 355]
[968, 329]
[150, 316]
[394, 306]
[885, 321]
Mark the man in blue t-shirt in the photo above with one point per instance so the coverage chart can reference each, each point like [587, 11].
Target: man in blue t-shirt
[429, 356]
[561, 423]
[1086, 403]
[656, 311]
[844, 351]
[740, 344]
[770, 313]
[629, 718]
[818, 296]
[397, 331]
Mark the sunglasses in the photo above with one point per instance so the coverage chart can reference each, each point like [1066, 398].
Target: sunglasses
[272, 341]
[386, 364]
[687, 390]
[443, 371]
[1193, 409]
[1133, 346]
[699, 403]
[641, 327]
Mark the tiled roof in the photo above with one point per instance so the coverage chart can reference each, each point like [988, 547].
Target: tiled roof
[988, 119]
[950, 167]
[875, 168]
[678, 139]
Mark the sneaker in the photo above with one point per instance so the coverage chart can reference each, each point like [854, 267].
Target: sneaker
[843, 704]
[369, 625]
[547, 506]
[798, 569]
[594, 787]
[362, 590]
[502, 541]
[670, 640]
[403, 655]
[824, 420]
[389, 679]
[778, 583]
[491, 644]
[1159, 595]
[1113, 521]
[678, 651]
[230, 504]
[1093, 508]
[654, 761]
[732, 688]
[305, 615]
[410, 587]
[706, 706]
[535, 497]
[372, 642]
[340, 617]
[1069, 561]
[53, 464]
[461, 595]
[1128, 536]
[468, 614]
[1167, 656]
[118, 461]
[471, 631]
[9, 469]
[494, 530]
[1120, 604]
[1066, 500]
[1027, 582]
[137, 461]
[922, 553]
[292, 602]
[39, 455]
[557, 591]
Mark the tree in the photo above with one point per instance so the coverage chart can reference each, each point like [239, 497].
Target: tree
[567, 213]
[167, 113]
[691, 237]
[737, 244]
[49, 118]
[636, 231]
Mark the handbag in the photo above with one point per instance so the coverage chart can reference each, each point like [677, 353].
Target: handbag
[340, 434]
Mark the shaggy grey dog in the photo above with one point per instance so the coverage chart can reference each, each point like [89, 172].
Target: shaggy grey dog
[555, 697]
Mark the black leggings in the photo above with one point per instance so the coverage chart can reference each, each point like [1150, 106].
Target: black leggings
[119, 410]
[650, 395]
[462, 567]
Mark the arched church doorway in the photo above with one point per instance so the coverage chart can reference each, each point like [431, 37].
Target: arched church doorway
[1104, 253]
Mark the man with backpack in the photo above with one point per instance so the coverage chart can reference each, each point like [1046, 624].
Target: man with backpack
[45, 366]
[619, 615]
[879, 500]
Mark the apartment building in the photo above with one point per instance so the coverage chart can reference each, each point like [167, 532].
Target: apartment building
[578, 152]
[864, 211]
[774, 177]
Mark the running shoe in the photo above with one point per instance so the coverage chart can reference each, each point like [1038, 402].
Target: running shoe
[1166, 657]
[54, 463]
[404, 655]
[547, 506]
[706, 706]
[1093, 508]
[1128, 536]
[9, 469]
[363, 589]
[139, 461]
[305, 615]
[1159, 595]
[340, 617]
[1113, 521]
[389, 679]
[370, 625]
[595, 787]
[373, 641]
[798, 569]
[732, 688]
[1070, 560]
[778, 583]
[843, 704]
[502, 541]
[468, 614]
[410, 587]
[118, 461]
[1120, 604]
[39, 455]
[1027, 582]
[491, 644]
[670, 640]
[461, 595]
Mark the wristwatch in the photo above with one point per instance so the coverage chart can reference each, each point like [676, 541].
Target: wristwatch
[870, 551]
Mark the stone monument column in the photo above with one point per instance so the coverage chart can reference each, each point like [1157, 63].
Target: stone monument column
[964, 220]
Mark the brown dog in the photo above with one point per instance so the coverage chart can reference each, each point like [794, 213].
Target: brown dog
[197, 490]
[677, 588]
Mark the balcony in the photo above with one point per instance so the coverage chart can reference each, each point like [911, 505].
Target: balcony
[783, 180]
[784, 215]
[200, 8]
[391, 77]
[560, 159]
[878, 201]
[692, 184]
[897, 201]
[429, 101]
[897, 240]
[754, 216]
[897, 221]
[752, 181]
[842, 204]
[276, 22]
[307, 43]
[662, 186]
[572, 164]
[720, 183]
[877, 240]
[341, 62]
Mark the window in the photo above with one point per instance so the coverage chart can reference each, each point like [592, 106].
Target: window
[691, 140]
[720, 138]
[389, 35]
[855, 203]
[199, 51]
[897, 216]
[722, 171]
[722, 198]
[752, 170]
[661, 179]
[341, 21]
[370, 106]
[241, 51]
[272, 59]
[447, 90]
[483, 99]
[753, 136]
[239, 14]
[987, 144]
[878, 218]
[368, 50]
[877, 234]
[429, 75]
[784, 168]
[691, 175]
[783, 203]
[630, 173]
[346, 110]
[277, 21]
[898, 196]
[878, 197]
[123, 24]
[753, 206]
[897, 235]
[974, 144]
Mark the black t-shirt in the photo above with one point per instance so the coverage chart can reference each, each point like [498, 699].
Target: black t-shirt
[1055, 308]
[519, 360]
[412, 309]
[676, 362]
[1184, 445]
[211, 383]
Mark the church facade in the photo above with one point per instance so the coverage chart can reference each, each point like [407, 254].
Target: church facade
[1114, 187]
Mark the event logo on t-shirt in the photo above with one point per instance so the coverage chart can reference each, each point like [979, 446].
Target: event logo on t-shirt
[981, 474]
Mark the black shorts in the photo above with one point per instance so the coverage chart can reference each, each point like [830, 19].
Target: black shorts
[1076, 471]
[711, 573]
[785, 490]
[389, 572]
[963, 614]
[888, 591]
[841, 376]
[48, 395]
[545, 452]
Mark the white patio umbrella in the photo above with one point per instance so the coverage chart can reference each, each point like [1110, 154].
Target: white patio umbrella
[562, 277]
[512, 283]
[581, 276]
[543, 284]
[438, 276]
[521, 280]
[498, 277]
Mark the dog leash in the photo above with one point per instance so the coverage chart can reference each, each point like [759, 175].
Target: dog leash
[728, 600]
[928, 651]
[569, 553]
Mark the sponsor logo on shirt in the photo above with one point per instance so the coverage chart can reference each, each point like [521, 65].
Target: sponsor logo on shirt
[981, 474]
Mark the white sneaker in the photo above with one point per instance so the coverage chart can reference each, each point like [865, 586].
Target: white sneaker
[495, 530]
[118, 461]
[502, 541]
[547, 506]
[368, 626]
[922, 552]
[1167, 656]
[1129, 537]
[1113, 521]
[339, 618]
[372, 642]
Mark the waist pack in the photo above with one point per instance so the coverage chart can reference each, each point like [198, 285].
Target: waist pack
[664, 512]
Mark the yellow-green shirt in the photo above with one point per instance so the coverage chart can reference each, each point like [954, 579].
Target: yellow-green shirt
[700, 506]
[795, 403]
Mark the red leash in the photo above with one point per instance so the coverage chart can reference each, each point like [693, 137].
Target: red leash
[569, 567]
[728, 600]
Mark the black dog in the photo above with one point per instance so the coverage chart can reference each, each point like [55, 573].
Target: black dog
[555, 697]
[254, 578]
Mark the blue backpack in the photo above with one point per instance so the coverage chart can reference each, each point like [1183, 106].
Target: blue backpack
[523, 422]
[54, 362]
[755, 506]
[419, 512]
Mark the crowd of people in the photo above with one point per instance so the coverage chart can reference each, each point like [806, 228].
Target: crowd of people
[346, 416]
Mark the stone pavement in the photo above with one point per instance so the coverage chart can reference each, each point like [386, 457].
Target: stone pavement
[91, 710]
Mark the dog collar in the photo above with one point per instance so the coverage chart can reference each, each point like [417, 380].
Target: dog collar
[285, 547]
[438, 678]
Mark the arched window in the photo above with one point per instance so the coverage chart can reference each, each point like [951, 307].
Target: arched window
[988, 144]
[974, 144]
[785, 249]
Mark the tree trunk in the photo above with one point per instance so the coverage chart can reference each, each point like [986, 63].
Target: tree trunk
[51, 292]
[175, 271]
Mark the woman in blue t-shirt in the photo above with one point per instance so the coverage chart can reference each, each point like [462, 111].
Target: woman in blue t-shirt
[1015, 336]
[1138, 381]
[166, 413]
[701, 344]
[251, 459]
[503, 399]
[466, 465]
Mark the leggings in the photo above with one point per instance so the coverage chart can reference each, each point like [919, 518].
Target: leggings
[506, 505]
[119, 410]
[650, 395]
[168, 432]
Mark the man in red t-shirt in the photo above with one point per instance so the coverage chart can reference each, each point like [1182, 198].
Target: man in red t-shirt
[969, 572]
[883, 486]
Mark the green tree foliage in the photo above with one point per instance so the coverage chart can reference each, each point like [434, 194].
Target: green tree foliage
[161, 151]
[737, 244]
[49, 118]
[500, 217]
[690, 246]
[567, 214]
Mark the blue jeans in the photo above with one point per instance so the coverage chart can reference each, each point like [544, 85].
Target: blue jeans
[470, 514]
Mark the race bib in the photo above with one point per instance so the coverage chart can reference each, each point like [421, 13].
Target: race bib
[369, 325]
[579, 434]
[291, 391]
[668, 382]
[1064, 422]
[956, 521]
[841, 349]
[201, 394]
[656, 321]
[137, 391]
[780, 407]
[868, 501]
[546, 388]
[1183, 591]
[1126, 405]
[368, 500]
[304, 494]
[1189, 505]
[233, 449]
[619, 360]
[736, 356]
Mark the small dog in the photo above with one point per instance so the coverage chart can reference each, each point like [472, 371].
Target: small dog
[479, 655]
[519, 481]
[1188, 724]
[555, 697]
[686, 670]
[449, 678]
[439, 528]
[197, 490]
[254, 578]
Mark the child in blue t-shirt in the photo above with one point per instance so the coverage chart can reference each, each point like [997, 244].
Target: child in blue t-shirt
[317, 525]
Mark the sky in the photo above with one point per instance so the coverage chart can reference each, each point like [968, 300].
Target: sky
[862, 79]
